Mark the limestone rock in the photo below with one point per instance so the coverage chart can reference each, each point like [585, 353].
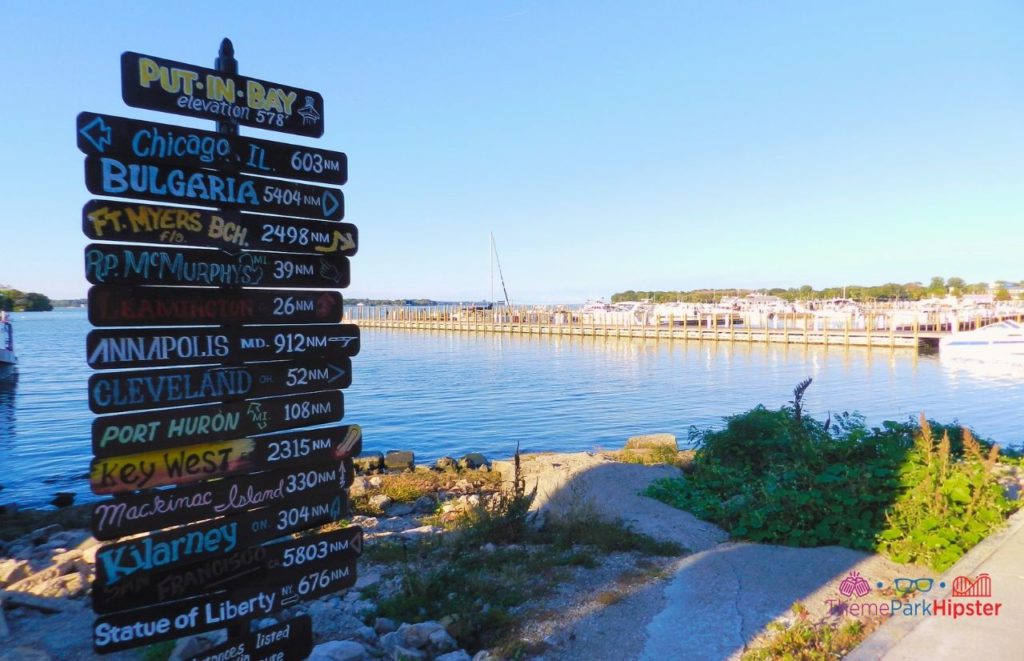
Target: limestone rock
[331, 623]
[189, 646]
[384, 625]
[368, 462]
[474, 460]
[398, 509]
[442, 641]
[360, 486]
[380, 501]
[457, 655]
[651, 441]
[42, 535]
[366, 580]
[421, 530]
[399, 461]
[446, 464]
[407, 654]
[338, 650]
[418, 635]
[424, 505]
[12, 571]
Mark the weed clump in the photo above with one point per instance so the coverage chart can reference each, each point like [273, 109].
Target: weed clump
[804, 639]
[781, 476]
[478, 579]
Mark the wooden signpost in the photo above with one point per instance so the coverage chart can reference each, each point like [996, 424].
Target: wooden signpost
[185, 89]
[107, 220]
[292, 470]
[285, 559]
[142, 180]
[106, 135]
[112, 392]
[142, 265]
[183, 306]
[207, 453]
[171, 428]
[158, 347]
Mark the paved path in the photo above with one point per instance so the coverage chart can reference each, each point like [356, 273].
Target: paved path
[1001, 556]
[716, 600]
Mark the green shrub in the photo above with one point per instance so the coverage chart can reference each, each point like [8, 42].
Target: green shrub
[946, 505]
[783, 477]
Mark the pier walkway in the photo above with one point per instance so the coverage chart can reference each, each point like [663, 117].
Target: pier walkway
[873, 331]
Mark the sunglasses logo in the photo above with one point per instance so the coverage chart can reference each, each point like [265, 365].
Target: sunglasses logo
[905, 585]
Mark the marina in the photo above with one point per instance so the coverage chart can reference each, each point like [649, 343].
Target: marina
[921, 324]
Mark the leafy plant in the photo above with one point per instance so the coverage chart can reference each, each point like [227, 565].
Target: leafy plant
[783, 477]
[947, 505]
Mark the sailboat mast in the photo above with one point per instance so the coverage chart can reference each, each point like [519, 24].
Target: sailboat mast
[490, 253]
[504, 289]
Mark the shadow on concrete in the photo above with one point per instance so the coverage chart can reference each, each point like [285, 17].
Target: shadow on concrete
[715, 601]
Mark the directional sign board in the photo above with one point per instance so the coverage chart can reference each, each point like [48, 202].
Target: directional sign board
[289, 455]
[160, 347]
[197, 542]
[115, 392]
[105, 175]
[215, 475]
[142, 265]
[191, 463]
[170, 428]
[106, 135]
[185, 89]
[127, 629]
[289, 641]
[282, 560]
[180, 306]
[107, 220]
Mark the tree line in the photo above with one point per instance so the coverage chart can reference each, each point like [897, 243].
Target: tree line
[13, 300]
[890, 291]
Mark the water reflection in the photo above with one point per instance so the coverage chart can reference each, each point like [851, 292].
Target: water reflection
[8, 390]
[1007, 370]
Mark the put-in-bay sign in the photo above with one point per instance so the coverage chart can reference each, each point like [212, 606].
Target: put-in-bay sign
[185, 89]
[210, 457]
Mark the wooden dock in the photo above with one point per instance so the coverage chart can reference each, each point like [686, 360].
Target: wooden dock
[711, 328]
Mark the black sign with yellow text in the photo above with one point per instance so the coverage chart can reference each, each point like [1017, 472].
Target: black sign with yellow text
[107, 220]
[185, 89]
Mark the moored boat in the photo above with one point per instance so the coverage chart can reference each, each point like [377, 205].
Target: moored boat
[8, 360]
[997, 341]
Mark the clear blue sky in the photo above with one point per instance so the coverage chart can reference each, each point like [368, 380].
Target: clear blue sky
[608, 145]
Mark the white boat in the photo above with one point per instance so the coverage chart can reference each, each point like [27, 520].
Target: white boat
[8, 360]
[1000, 340]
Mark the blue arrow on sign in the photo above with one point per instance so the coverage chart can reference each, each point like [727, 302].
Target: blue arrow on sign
[330, 203]
[100, 127]
[336, 373]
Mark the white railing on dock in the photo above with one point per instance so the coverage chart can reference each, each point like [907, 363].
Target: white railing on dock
[878, 327]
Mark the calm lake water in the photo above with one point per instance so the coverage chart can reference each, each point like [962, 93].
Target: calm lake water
[442, 393]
